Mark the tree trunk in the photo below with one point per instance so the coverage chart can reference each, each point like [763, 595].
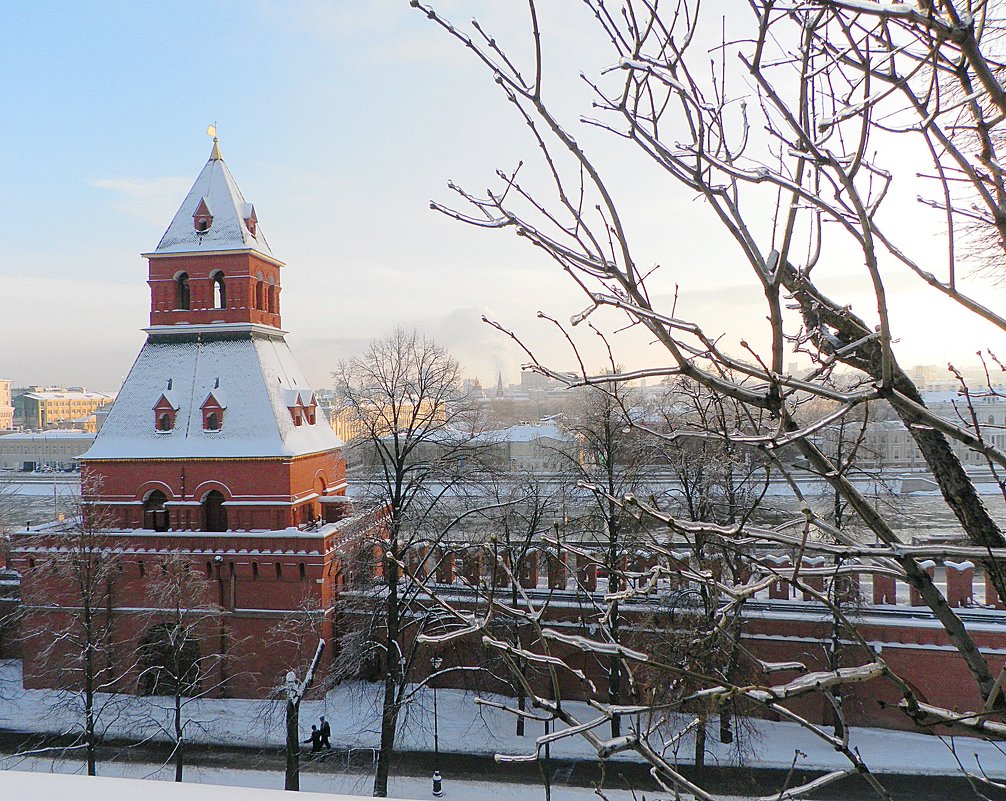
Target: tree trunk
[292, 746]
[389, 710]
[389, 722]
[700, 748]
[89, 739]
[179, 740]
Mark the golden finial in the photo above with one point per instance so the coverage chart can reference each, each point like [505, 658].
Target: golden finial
[211, 130]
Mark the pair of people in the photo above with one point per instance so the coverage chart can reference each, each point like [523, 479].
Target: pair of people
[320, 736]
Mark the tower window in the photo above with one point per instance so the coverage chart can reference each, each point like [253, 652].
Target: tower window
[165, 411]
[260, 297]
[201, 218]
[183, 297]
[219, 291]
[213, 410]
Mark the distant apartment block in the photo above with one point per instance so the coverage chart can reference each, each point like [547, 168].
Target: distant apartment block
[45, 450]
[889, 444]
[41, 409]
[6, 406]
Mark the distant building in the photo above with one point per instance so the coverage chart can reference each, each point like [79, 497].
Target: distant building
[528, 446]
[6, 406]
[61, 408]
[889, 443]
[531, 381]
[41, 450]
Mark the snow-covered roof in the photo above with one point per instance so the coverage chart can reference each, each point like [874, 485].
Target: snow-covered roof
[254, 371]
[527, 432]
[216, 188]
[297, 395]
[30, 436]
[69, 395]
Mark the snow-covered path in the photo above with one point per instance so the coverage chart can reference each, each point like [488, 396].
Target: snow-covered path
[470, 729]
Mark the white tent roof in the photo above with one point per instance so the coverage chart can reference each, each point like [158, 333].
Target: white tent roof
[253, 373]
[226, 204]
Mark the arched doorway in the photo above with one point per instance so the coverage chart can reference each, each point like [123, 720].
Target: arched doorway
[214, 512]
[155, 516]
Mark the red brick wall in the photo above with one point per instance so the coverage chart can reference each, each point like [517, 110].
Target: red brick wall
[257, 480]
[240, 279]
[252, 596]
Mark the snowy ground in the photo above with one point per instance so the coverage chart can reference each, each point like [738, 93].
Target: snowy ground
[18, 785]
[467, 728]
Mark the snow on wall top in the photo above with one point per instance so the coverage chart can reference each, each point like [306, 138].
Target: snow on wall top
[254, 373]
[228, 231]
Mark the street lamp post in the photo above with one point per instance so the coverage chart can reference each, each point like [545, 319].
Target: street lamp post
[438, 786]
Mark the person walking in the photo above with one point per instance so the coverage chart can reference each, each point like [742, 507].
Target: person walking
[325, 733]
[315, 740]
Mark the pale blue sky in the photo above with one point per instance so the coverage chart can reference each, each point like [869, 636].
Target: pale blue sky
[339, 121]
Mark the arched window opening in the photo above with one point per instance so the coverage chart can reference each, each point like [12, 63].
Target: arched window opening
[214, 512]
[219, 291]
[143, 571]
[273, 304]
[183, 297]
[212, 422]
[164, 422]
[279, 570]
[169, 662]
[209, 570]
[303, 572]
[155, 516]
[260, 294]
[255, 571]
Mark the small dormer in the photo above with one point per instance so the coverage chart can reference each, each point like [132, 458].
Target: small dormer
[291, 398]
[213, 409]
[249, 218]
[165, 412]
[201, 218]
[302, 405]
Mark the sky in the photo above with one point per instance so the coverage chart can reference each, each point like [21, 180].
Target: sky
[340, 121]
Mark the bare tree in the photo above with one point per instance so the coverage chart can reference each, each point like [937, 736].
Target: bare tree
[180, 661]
[525, 509]
[12, 508]
[789, 128]
[416, 430]
[301, 636]
[610, 461]
[68, 595]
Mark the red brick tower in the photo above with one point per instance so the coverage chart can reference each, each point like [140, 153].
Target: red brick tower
[216, 427]
[214, 453]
